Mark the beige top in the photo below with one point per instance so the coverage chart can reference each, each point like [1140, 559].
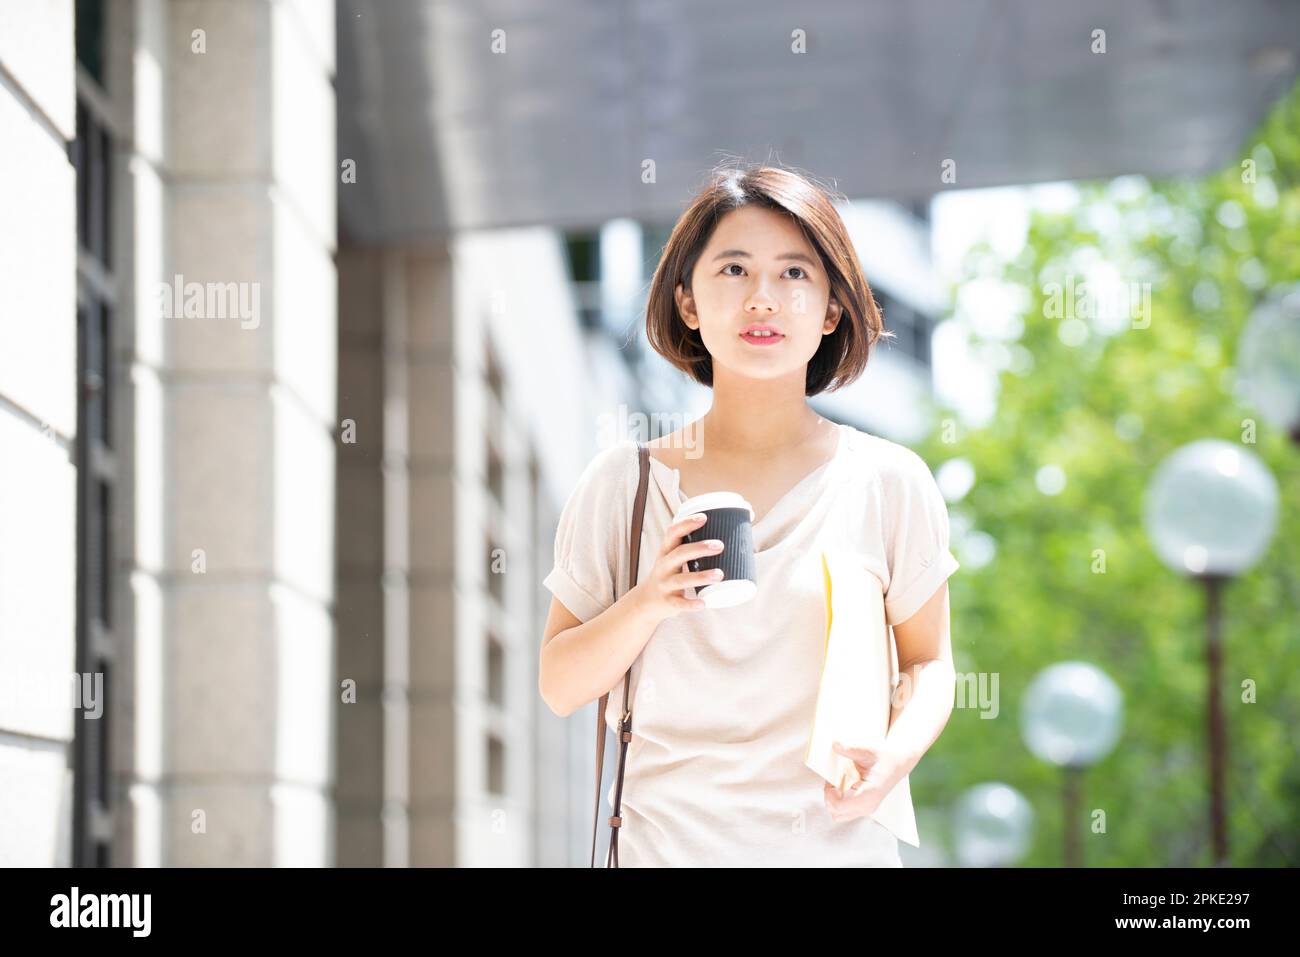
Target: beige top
[723, 700]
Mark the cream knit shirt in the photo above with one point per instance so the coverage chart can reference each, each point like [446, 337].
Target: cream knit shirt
[723, 699]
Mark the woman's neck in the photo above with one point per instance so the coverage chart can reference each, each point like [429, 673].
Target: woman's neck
[757, 416]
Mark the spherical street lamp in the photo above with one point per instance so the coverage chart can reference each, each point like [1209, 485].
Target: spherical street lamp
[1211, 511]
[1071, 717]
[1268, 359]
[992, 824]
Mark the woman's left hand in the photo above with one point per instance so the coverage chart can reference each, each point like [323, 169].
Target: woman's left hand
[878, 772]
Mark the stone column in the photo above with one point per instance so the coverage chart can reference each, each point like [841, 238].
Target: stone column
[442, 696]
[397, 533]
[246, 382]
[363, 830]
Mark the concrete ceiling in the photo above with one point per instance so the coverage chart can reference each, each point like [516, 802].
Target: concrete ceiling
[449, 135]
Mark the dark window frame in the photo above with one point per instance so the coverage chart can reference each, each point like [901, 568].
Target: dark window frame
[91, 153]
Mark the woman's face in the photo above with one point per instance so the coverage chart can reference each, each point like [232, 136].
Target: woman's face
[758, 270]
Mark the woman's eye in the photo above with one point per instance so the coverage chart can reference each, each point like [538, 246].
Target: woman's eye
[801, 276]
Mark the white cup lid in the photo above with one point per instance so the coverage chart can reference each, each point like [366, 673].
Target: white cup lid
[727, 594]
[702, 503]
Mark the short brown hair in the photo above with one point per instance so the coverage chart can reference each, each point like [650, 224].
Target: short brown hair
[842, 355]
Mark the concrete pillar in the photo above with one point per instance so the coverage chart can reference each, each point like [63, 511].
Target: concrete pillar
[363, 788]
[248, 407]
[397, 534]
[442, 696]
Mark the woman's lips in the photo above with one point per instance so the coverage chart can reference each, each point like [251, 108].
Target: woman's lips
[771, 340]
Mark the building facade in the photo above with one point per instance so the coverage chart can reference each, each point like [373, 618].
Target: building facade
[277, 495]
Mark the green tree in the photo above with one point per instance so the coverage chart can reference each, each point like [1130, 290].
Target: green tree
[1106, 403]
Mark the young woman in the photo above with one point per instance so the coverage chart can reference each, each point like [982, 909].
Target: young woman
[723, 699]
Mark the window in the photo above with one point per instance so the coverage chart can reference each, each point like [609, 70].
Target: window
[654, 239]
[910, 327]
[496, 765]
[496, 672]
[584, 256]
[496, 475]
[90, 37]
[584, 270]
[495, 575]
[921, 209]
[92, 156]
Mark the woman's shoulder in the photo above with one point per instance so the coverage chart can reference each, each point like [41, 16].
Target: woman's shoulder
[611, 466]
[889, 461]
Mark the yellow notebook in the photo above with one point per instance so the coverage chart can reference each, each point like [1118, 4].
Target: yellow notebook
[856, 683]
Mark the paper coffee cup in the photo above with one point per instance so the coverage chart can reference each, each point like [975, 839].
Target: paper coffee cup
[729, 520]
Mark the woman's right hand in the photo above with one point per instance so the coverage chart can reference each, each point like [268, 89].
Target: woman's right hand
[660, 594]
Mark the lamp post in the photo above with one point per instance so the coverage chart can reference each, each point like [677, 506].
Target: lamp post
[1210, 512]
[1071, 717]
[992, 823]
[1268, 359]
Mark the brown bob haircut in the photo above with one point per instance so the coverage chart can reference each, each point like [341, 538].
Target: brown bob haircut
[842, 355]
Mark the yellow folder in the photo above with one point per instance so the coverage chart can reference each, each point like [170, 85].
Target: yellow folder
[857, 678]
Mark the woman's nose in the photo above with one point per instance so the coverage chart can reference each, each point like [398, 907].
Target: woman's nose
[760, 298]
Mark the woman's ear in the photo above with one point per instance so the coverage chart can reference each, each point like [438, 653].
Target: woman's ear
[834, 312]
[686, 307]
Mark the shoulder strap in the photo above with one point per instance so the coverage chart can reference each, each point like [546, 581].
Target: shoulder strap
[634, 559]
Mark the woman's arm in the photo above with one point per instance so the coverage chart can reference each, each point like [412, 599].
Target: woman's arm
[918, 711]
[922, 702]
[580, 662]
[923, 699]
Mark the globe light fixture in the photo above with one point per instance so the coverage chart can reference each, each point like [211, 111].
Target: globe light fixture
[992, 826]
[1210, 512]
[1071, 717]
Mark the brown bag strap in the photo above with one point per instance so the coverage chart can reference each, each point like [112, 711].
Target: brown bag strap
[625, 717]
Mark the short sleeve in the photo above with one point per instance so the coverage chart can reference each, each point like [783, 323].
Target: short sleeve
[916, 540]
[591, 535]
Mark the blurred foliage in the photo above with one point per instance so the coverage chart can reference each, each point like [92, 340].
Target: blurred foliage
[1107, 409]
